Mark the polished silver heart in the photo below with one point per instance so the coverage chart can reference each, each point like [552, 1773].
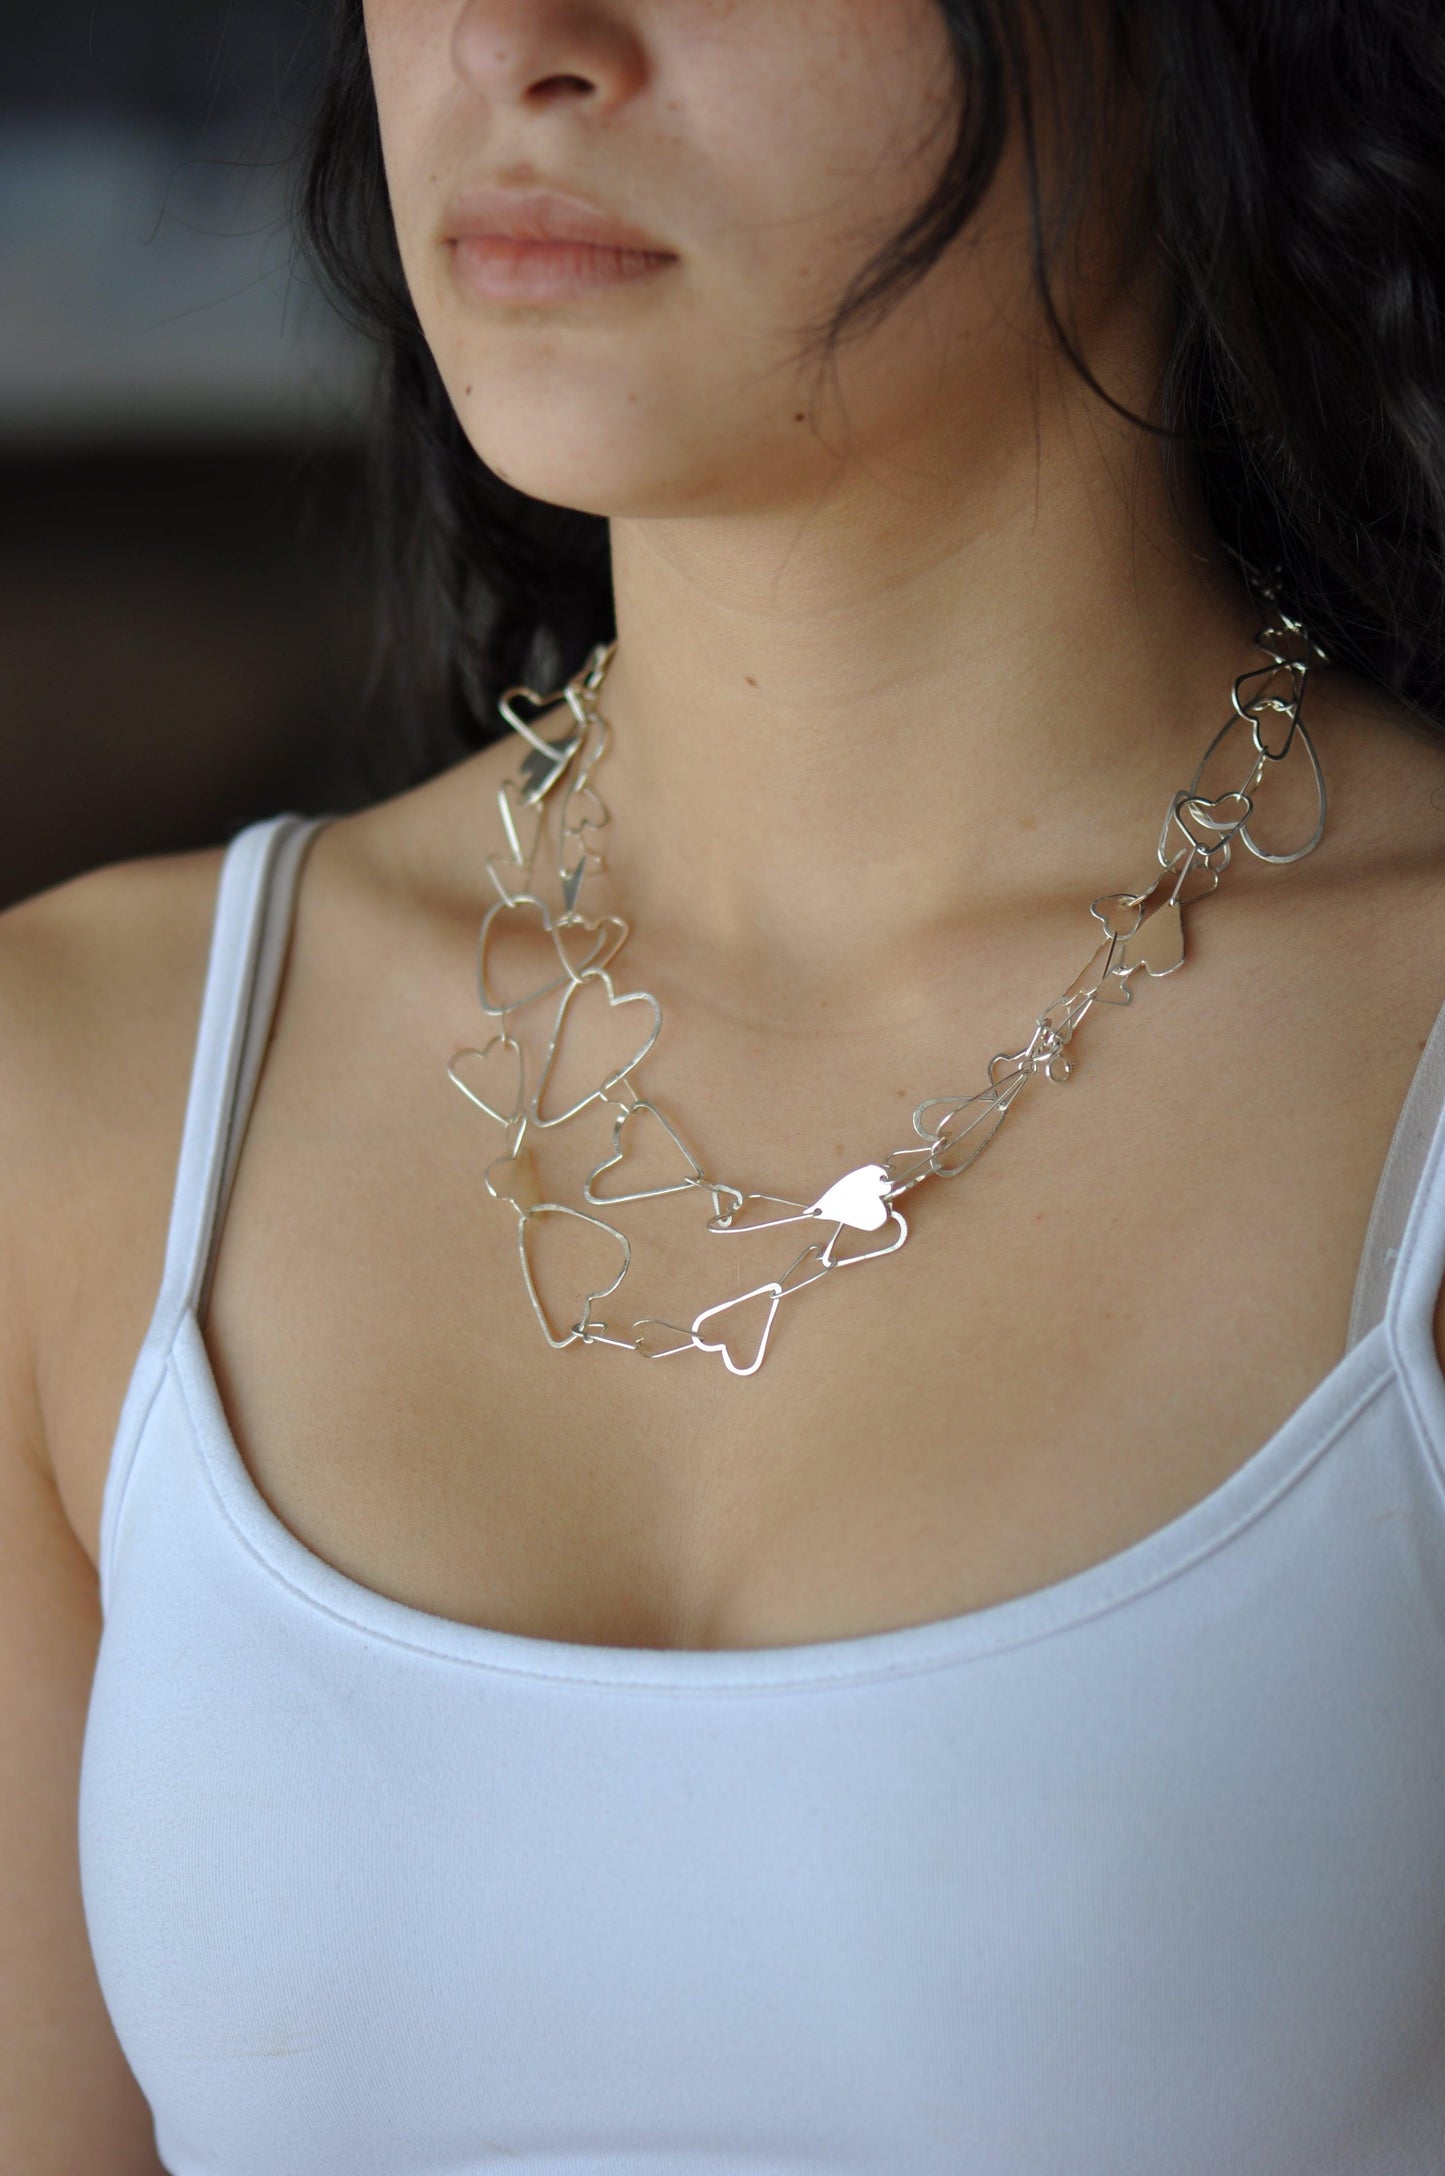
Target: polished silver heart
[856, 1198]
[1158, 944]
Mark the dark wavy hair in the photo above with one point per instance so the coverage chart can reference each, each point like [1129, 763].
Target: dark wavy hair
[1294, 176]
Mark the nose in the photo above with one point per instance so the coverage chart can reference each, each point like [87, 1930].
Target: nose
[538, 53]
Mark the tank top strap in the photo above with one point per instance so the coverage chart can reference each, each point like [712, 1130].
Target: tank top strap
[1403, 1261]
[249, 932]
[243, 977]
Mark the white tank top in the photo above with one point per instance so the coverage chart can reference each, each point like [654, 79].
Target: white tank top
[1139, 1875]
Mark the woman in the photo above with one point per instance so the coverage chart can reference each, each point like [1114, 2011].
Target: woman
[980, 1711]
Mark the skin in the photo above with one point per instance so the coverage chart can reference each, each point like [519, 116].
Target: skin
[910, 661]
[830, 587]
[911, 656]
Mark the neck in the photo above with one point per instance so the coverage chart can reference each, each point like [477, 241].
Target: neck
[948, 691]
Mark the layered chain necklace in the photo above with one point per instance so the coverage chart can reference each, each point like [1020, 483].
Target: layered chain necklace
[857, 1218]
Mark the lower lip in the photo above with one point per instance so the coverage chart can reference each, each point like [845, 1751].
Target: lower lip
[501, 269]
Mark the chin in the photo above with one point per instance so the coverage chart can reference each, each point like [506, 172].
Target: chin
[588, 486]
[599, 464]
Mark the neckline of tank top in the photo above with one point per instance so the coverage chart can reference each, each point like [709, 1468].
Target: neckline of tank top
[1203, 1528]
[1395, 1343]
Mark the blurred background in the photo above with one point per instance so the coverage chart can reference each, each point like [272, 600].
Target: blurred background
[183, 602]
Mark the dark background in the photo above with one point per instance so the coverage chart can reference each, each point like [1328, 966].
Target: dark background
[184, 602]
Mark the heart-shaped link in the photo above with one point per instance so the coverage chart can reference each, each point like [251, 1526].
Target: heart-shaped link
[772, 1293]
[502, 1074]
[626, 1118]
[1118, 912]
[775, 1292]
[1206, 823]
[504, 915]
[834, 1260]
[1278, 689]
[525, 1223]
[592, 978]
[653, 1348]
[610, 933]
[583, 809]
[859, 1199]
[1158, 944]
[507, 703]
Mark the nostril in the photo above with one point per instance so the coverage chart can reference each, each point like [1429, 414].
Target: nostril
[553, 87]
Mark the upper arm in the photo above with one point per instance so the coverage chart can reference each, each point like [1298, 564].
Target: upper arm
[99, 984]
[68, 2101]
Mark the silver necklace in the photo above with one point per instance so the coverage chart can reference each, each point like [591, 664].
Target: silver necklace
[1141, 932]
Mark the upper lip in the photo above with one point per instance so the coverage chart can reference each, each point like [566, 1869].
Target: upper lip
[541, 215]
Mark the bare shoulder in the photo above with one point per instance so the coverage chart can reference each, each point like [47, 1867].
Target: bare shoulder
[100, 989]
[1386, 773]
[103, 948]
[99, 985]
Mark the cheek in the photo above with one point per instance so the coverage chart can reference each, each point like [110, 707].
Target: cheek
[823, 132]
[411, 75]
[779, 147]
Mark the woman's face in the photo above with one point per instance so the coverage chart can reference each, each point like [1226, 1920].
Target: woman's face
[762, 150]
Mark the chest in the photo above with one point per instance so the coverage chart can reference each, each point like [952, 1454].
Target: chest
[1083, 1335]
[808, 1910]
